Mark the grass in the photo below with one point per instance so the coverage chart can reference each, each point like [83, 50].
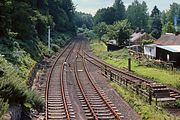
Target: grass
[120, 59]
[146, 111]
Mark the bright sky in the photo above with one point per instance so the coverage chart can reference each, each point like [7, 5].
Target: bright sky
[91, 6]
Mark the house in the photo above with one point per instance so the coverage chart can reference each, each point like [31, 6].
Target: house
[166, 48]
[168, 39]
[138, 37]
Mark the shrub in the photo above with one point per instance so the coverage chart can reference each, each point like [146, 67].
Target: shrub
[13, 88]
[55, 47]
[3, 107]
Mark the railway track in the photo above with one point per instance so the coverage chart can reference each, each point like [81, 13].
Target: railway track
[163, 91]
[58, 105]
[94, 101]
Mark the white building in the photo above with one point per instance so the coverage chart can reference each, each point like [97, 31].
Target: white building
[150, 50]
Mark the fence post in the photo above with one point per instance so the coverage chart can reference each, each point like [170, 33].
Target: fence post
[137, 88]
[105, 70]
[129, 64]
[156, 100]
[150, 96]
[111, 76]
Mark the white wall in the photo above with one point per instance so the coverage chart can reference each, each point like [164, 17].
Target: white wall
[150, 51]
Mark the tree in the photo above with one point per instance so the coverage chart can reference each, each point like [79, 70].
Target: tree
[137, 15]
[81, 19]
[106, 15]
[169, 28]
[164, 17]
[100, 29]
[156, 26]
[121, 32]
[119, 10]
[174, 10]
[155, 12]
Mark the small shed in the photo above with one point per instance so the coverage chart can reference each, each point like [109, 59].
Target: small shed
[112, 45]
[169, 53]
[150, 50]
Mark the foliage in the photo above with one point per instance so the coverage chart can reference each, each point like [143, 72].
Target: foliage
[13, 88]
[111, 14]
[100, 29]
[90, 34]
[81, 19]
[169, 28]
[106, 15]
[3, 107]
[174, 11]
[146, 111]
[119, 10]
[164, 17]
[156, 26]
[55, 47]
[120, 31]
[137, 15]
[144, 42]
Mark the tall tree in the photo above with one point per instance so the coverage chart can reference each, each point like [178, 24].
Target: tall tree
[137, 15]
[120, 31]
[81, 19]
[156, 26]
[101, 29]
[169, 28]
[164, 17]
[174, 11]
[106, 15]
[119, 10]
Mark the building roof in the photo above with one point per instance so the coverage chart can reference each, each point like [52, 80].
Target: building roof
[135, 36]
[150, 45]
[171, 48]
[168, 39]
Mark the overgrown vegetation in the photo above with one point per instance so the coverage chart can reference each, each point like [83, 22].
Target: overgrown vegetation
[3, 107]
[23, 41]
[120, 59]
[13, 88]
[146, 111]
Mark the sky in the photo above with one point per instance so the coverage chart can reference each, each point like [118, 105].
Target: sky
[91, 6]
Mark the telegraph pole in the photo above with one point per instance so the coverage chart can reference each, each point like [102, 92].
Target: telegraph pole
[49, 39]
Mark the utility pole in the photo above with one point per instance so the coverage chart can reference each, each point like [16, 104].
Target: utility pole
[49, 39]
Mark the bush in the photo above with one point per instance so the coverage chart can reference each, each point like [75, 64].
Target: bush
[55, 47]
[35, 100]
[145, 42]
[3, 107]
[13, 88]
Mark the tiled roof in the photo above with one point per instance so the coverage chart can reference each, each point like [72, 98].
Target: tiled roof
[136, 36]
[168, 39]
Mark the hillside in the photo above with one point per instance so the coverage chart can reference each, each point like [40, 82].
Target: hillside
[23, 41]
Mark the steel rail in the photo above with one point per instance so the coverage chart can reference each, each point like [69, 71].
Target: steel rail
[117, 69]
[48, 82]
[97, 90]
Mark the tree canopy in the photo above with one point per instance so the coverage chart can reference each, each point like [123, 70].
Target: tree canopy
[137, 15]
[156, 26]
[81, 19]
[29, 19]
